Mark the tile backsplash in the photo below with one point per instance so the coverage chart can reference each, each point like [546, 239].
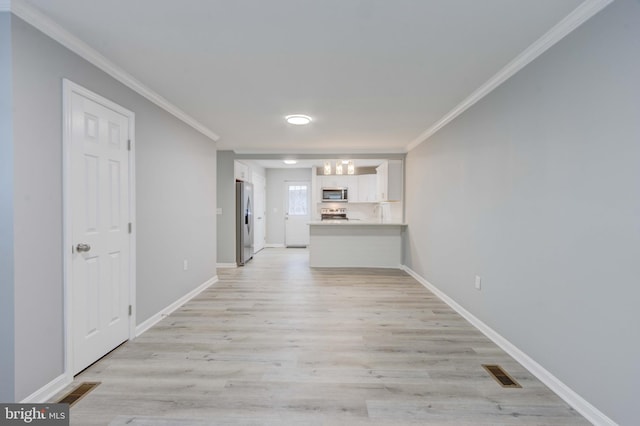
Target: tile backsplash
[389, 211]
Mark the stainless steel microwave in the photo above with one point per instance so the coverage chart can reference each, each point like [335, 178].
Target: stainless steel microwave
[334, 195]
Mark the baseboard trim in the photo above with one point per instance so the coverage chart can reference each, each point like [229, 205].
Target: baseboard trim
[226, 265]
[59, 383]
[274, 246]
[49, 390]
[572, 398]
[147, 324]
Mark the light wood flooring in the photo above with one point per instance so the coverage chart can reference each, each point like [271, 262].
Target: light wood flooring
[277, 343]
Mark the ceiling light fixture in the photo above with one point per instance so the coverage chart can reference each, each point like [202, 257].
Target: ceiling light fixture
[298, 119]
[290, 162]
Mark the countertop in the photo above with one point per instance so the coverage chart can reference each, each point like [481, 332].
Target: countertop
[355, 222]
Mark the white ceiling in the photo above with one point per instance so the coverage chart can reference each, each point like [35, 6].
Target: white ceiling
[374, 74]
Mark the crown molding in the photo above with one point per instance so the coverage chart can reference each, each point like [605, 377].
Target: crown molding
[572, 21]
[71, 42]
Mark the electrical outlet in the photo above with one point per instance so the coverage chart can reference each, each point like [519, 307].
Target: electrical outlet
[478, 283]
[185, 264]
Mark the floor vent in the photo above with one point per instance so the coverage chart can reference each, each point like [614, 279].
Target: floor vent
[78, 393]
[501, 376]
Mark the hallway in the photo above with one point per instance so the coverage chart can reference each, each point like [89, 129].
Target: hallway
[276, 342]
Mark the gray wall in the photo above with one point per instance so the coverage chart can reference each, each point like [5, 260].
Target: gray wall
[176, 206]
[537, 189]
[227, 202]
[6, 215]
[175, 186]
[276, 179]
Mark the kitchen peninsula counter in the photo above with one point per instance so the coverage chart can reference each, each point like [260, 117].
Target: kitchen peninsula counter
[355, 243]
[354, 222]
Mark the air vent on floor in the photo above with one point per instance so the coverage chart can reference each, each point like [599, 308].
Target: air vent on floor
[501, 376]
[78, 393]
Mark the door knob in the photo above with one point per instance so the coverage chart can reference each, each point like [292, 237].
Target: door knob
[83, 248]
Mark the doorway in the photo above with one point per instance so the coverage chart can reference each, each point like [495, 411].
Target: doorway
[260, 211]
[98, 233]
[297, 213]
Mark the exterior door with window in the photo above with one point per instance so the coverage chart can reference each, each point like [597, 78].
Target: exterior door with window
[297, 214]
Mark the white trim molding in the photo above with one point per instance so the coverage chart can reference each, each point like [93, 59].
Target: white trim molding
[45, 24]
[581, 14]
[572, 398]
[150, 322]
[48, 391]
[274, 245]
[226, 265]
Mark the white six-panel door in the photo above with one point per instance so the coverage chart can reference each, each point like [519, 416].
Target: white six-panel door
[99, 222]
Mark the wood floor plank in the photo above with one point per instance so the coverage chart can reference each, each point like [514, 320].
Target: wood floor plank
[277, 342]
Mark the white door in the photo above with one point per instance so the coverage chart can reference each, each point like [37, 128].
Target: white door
[99, 221]
[259, 212]
[296, 228]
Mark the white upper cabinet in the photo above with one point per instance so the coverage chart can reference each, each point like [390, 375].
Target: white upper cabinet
[382, 182]
[352, 187]
[335, 181]
[241, 171]
[366, 189]
[389, 181]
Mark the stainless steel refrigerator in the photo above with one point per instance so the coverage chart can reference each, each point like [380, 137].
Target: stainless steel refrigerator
[244, 222]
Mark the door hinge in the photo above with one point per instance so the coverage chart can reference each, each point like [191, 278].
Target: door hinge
[130, 310]
[73, 249]
[130, 227]
[128, 144]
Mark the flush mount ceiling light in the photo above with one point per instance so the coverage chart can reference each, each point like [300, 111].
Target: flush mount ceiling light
[290, 162]
[298, 119]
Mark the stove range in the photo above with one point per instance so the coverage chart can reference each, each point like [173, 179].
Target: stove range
[333, 214]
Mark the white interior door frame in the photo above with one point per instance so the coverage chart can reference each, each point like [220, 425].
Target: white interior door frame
[259, 213]
[68, 89]
[290, 221]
